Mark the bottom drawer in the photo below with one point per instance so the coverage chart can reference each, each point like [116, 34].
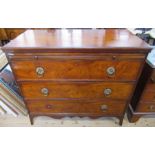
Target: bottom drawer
[76, 107]
[146, 107]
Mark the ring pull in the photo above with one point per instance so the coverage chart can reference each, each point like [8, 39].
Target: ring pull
[104, 108]
[107, 91]
[45, 91]
[111, 71]
[40, 71]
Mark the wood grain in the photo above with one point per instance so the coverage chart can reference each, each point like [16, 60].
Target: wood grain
[148, 107]
[79, 39]
[10, 33]
[76, 69]
[76, 107]
[148, 95]
[76, 90]
[75, 62]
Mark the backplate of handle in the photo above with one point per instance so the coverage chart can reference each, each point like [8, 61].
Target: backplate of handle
[104, 107]
[45, 91]
[40, 71]
[107, 91]
[111, 71]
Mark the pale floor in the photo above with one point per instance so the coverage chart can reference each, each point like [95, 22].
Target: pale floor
[43, 121]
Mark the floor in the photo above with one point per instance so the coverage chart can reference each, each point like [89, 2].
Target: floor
[43, 121]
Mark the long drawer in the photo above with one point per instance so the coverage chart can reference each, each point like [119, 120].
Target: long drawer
[76, 69]
[76, 107]
[47, 90]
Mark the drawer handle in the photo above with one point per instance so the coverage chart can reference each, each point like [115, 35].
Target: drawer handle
[153, 80]
[49, 106]
[107, 91]
[45, 91]
[40, 71]
[104, 108]
[152, 107]
[111, 71]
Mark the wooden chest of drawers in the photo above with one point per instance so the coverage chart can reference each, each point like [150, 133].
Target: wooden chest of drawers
[143, 100]
[77, 72]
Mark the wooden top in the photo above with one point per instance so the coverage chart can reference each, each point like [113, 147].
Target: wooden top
[77, 39]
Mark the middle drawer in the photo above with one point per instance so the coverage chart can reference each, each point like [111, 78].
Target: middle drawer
[76, 90]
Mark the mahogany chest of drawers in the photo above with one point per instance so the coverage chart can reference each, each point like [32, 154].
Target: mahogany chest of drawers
[143, 100]
[77, 72]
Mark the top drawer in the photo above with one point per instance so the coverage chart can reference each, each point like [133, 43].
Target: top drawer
[123, 68]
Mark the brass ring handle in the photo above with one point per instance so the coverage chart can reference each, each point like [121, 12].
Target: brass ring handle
[40, 71]
[104, 108]
[49, 106]
[45, 91]
[107, 91]
[111, 71]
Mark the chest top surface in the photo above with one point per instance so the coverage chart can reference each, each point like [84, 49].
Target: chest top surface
[77, 39]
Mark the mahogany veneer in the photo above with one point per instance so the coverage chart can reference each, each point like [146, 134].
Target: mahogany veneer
[78, 90]
[76, 69]
[81, 108]
[77, 72]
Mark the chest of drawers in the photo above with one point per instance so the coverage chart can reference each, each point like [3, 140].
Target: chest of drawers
[143, 100]
[77, 72]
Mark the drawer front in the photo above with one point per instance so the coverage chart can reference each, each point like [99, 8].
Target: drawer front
[146, 107]
[76, 69]
[150, 86]
[148, 96]
[76, 107]
[79, 90]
